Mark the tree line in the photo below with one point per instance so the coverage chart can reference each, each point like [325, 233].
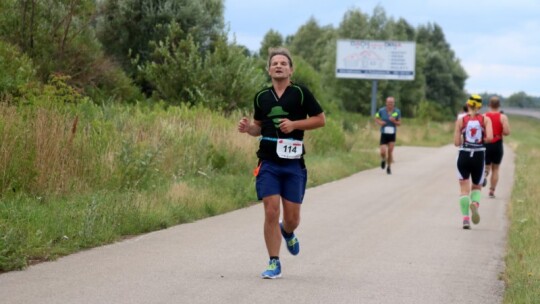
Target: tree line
[178, 52]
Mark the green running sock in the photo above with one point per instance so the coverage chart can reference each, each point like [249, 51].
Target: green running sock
[464, 202]
[476, 195]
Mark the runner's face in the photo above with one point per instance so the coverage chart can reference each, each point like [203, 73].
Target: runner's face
[280, 67]
[390, 102]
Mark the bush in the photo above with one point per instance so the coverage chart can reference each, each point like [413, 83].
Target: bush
[432, 111]
[17, 70]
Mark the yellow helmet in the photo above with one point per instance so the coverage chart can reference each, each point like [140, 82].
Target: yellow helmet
[475, 101]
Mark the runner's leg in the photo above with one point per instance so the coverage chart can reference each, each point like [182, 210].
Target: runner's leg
[382, 151]
[475, 203]
[390, 153]
[272, 234]
[291, 215]
[464, 202]
[494, 178]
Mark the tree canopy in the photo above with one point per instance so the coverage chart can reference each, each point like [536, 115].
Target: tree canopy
[177, 52]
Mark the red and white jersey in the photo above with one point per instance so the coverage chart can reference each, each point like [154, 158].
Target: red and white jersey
[473, 131]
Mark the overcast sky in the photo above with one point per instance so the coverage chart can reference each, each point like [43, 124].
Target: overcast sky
[497, 41]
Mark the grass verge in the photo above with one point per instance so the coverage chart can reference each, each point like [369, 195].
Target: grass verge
[522, 274]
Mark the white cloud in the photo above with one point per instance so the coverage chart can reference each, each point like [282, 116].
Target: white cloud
[497, 71]
[502, 78]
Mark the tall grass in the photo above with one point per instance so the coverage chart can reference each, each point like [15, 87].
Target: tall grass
[79, 175]
[522, 275]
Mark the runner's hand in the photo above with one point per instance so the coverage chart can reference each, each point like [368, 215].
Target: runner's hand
[243, 125]
[286, 126]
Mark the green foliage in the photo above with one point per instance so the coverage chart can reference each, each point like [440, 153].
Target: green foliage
[327, 140]
[128, 26]
[17, 70]
[58, 88]
[12, 248]
[401, 30]
[355, 25]
[444, 75]
[223, 79]
[271, 39]
[59, 38]
[137, 165]
[522, 100]
[312, 42]
[175, 69]
[306, 75]
[130, 169]
[432, 111]
[522, 271]
[231, 79]
[175, 42]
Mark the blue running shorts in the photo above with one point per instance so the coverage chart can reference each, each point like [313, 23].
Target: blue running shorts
[287, 178]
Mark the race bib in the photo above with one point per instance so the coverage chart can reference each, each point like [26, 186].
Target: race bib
[289, 148]
[389, 130]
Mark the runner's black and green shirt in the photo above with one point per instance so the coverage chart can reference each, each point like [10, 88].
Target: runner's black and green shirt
[296, 103]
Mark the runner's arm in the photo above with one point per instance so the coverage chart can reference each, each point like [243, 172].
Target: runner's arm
[310, 123]
[379, 121]
[396, 121]
[505, 125]
[245, 126]
[457, 133]
[489, 130]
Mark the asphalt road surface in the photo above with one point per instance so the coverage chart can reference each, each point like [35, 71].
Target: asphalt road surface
[368, 238]
[523, 112]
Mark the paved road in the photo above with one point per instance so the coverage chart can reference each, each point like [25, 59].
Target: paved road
[523, 112]
[369, 238]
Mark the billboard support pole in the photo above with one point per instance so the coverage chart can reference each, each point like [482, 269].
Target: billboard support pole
[373, 97]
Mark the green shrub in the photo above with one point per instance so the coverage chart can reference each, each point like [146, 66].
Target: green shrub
[429, 110]
[17, 70]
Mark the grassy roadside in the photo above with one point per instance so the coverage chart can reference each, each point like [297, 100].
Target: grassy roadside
[522, 275]
[129, 171]
[80, 176]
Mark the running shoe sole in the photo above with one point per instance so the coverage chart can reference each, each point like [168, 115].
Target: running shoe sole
[475, 215]
[271, 277]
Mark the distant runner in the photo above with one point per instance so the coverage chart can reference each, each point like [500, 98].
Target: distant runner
[282, 113]
[388, 118]
[494, 150]
[470, 134]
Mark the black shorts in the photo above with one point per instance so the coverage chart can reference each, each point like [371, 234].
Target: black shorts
[494, 153]
[387, 138]
[471, 165]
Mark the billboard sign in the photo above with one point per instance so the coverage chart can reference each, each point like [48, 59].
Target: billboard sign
[369, 59]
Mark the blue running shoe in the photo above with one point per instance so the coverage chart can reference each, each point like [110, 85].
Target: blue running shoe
[273, 271]
[292, 242]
